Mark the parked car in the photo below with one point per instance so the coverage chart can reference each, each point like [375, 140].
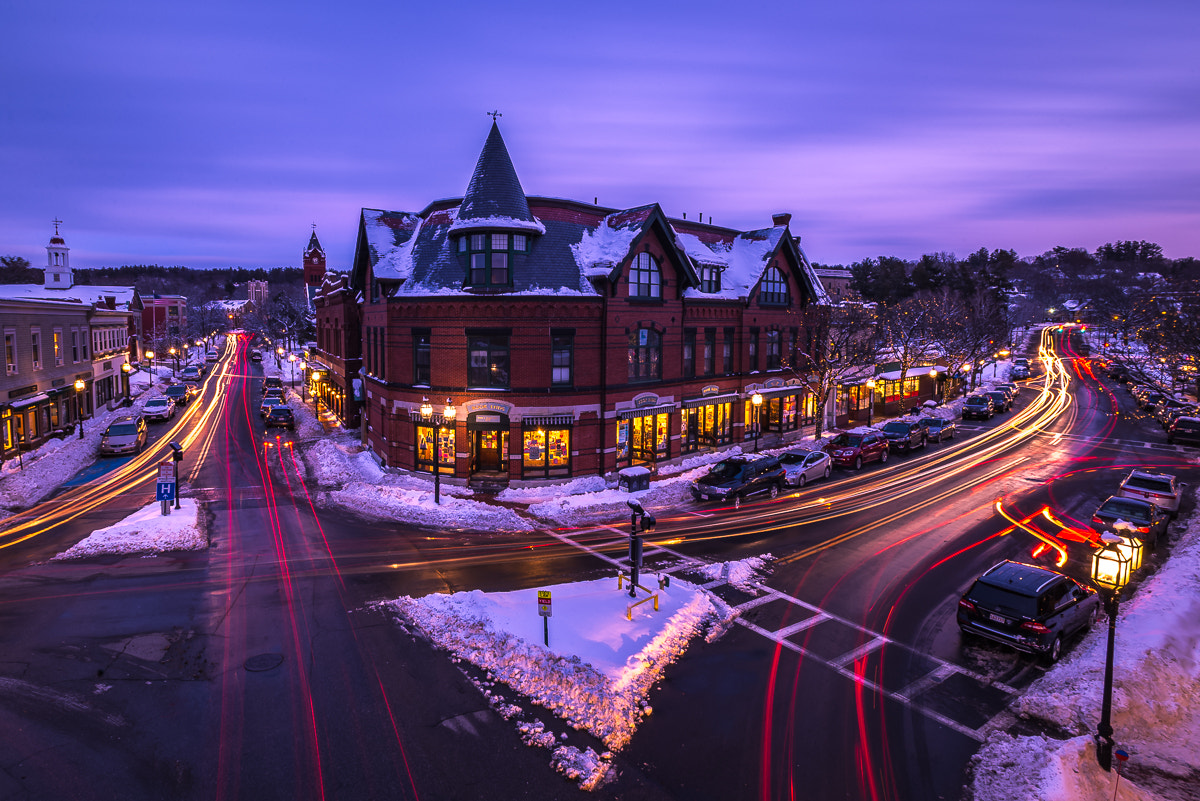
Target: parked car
[268, 403]
[978, 406]
[1118, 373]
[191, 373]
[182, 394]
[1148, 522]
[211, 357]
[272, 382]
[1001, 402]
[280, 415]
[802, 466]
[1160, 489]
[903, 435]
[160, 408]
[937, 428]
[1012, 389]
[1019, 371]
[1171, 415]
[1165, 406]
[738, 477]
[1029, 608]
[256, 355]
[124, 435]
[1185, 430]
[1148, 400]
[853, 448]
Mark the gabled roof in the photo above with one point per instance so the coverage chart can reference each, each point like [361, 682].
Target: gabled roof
[743, 258]
[125, 297]
[494, 198]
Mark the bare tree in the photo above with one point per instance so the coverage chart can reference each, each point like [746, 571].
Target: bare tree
[905, 328]
[839, 347]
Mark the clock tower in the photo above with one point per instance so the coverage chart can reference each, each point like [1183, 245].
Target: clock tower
[314, 265]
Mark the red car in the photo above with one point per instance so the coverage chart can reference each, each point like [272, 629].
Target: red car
[852, 448]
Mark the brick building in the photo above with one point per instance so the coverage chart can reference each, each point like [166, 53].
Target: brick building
[568, 338]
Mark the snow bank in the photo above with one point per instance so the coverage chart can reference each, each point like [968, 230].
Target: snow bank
[146, 531]
[416, 506]
[598, 669]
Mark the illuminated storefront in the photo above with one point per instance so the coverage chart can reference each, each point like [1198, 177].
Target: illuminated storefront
[706, 422]
[434, 441]
[488, 433]
[643, 435]
[546, 447]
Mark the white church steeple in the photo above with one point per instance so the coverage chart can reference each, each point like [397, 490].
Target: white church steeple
[58, 262]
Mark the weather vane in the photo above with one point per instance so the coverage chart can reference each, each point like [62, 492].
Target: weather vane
[56, 224]
[494, 115]
[314, 225]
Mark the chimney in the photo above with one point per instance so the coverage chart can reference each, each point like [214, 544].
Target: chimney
[781, 219]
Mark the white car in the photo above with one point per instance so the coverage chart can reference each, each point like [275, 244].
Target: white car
[1160, 489]
[802, 466]
[159, 409]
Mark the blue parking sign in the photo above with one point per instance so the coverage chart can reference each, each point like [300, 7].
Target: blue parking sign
[165, 491]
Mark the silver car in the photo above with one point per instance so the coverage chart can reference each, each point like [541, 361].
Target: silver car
[1160, 489]
[124, 435]
[802, 466]
[160, 408]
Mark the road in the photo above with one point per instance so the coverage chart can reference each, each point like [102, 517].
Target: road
[260, 669]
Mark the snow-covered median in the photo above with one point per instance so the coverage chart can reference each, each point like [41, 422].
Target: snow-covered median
[147, 531]
[598, 669]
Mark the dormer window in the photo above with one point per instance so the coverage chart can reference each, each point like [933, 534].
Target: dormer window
[490, 257]
[645, 277]
[710, 278]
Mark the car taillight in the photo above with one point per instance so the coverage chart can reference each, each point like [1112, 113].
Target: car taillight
[1035, 627]
[966, 605]
[1143, 530]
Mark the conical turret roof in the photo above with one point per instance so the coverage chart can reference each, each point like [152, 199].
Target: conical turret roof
[494, 191]
[314, 244]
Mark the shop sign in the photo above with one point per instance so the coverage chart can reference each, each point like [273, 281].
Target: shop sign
[645, 401]
[487, 406]
[711, 389]
[22, 392]
[773, 383]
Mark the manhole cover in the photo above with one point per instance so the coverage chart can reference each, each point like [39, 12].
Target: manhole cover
[257, 664]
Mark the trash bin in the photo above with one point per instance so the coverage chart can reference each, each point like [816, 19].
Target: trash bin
[634, 479]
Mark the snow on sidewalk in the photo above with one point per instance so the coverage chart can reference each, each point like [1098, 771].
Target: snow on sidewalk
[598, 669]
[147, 531]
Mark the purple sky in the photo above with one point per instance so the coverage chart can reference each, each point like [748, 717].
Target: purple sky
[213, 134]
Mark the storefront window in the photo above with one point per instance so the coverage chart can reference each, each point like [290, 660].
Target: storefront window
[427, 436]
[705, 426]
[547, 452]
[643, 439]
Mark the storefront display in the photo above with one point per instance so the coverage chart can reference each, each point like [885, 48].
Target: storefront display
[547, 452]
[427, 437]
[705, 424]
[644, 438]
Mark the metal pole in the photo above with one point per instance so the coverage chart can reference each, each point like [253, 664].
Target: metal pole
[437, 466]
[79, 401]
[1104, 740]
[870, 407]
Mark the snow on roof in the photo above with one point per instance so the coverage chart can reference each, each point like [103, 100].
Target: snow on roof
[391, 237]
[80, 293]
[509, 223]
[603, 246]
[742, 260]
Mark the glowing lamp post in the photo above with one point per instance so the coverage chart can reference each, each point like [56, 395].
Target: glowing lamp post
[933, 376]
[303, 381]
[150, 361]
[447, 416]
[126, 369]
[292, 359]
[79, 388]
[1111, 568]
[871, 401]
[175, 360]
[756, 403]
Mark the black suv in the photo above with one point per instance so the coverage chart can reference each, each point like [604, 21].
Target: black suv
[271, 382]
[904, 435]
[1185, 429]
[181, 393]
[738, 477]
[1001, 401]
[980, 406]
[1028, 608]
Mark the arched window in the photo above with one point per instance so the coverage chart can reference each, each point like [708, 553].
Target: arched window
[773, 289]
[645, 355]
[645, 277]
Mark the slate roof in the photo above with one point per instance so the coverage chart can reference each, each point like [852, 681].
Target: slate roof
[314, 244]
[494, 195]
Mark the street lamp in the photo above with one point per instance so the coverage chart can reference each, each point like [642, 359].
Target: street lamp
[303, 381]
[933, 375]
[150, 362]
[292, 359]
[279, 357]
[756, 402]
[1111, 567]
[126, 368]
[79, 388]
[871, 404]
[316, 393]
[175, 358]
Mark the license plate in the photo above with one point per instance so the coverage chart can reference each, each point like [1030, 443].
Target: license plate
[997, 618]
[704, 497]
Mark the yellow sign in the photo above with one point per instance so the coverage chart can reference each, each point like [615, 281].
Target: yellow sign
[544, 603]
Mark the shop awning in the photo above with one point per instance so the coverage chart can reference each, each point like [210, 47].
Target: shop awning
[555, 420]
[728, 397]
[628, 414]
[32, 399]
[794, 389]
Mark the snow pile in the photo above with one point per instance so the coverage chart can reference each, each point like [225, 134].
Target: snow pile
[1156, 695]
[743, 574]
[416, 506]
[601, 248]
[146, 531]
[598, 669]
[334, 464]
